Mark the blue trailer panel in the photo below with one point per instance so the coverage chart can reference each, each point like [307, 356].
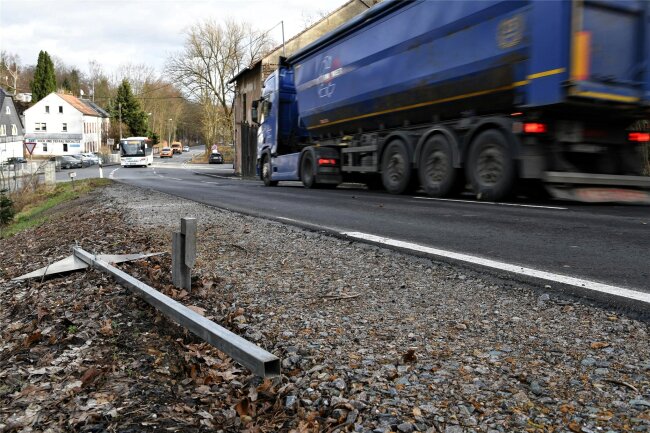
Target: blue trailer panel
[409, 59]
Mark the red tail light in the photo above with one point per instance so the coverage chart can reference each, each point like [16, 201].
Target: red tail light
[535, 128]
[639, 137]
[326, 161]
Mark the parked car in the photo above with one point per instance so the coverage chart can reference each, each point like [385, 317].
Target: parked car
[85, 162]
[16, 160]
[166, 152]
[177, 147]
[94, 159]
[215, 158]
[68, 162]
[186, 148]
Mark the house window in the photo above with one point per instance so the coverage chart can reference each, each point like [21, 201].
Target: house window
[47, 108]
[44, 147]
[8, 110]
[43, 127]
[14, 130]
[65, 127]
[65, 147]
[3, 130]
[60, 108]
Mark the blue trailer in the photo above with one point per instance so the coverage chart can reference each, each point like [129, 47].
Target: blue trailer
[494, 95]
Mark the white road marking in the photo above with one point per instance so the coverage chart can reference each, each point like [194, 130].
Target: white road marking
[314, 226]
[492, 203]
[175, 178]
[515, 269]
[212, 183]
[110, 176]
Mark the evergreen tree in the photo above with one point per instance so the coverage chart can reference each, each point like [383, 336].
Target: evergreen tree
[132, 114]
[44, 81]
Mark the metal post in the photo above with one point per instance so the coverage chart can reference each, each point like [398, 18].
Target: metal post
[119, 104]
[258, 360]
[184, 254]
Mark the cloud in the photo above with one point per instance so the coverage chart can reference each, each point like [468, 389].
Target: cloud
[115, 32]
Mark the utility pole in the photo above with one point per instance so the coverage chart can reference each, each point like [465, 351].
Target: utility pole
[119, 104]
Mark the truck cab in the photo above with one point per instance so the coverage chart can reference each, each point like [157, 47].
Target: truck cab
[281, 136]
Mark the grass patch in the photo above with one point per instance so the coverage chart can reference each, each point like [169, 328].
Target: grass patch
[32, 206]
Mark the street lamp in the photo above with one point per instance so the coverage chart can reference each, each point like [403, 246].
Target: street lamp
[169, 142]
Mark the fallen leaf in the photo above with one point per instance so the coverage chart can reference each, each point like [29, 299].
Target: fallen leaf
[243, 407]
[197, 310]
[42, 312]
[32, 339]
[575, 427]
[107, 327]
[90, 375]
[410, 356]
[599, 345]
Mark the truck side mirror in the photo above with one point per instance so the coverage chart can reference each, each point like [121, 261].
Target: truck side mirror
[254, 111]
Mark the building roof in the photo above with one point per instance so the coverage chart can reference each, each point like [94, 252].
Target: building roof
[3, 95]
[97, 108]
[79, 105]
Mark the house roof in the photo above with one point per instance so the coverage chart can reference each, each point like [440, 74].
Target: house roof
[79, 105]
[3, 95]
[95, 107]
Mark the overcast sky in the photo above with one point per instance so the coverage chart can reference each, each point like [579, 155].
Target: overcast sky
[115, 32]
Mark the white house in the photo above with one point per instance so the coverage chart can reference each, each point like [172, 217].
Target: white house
[62, 124]
[11, 129]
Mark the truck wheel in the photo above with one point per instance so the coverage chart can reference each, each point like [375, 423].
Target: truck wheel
[491, 167]
[266, 172]
[436, 171]
[396, 172]
[307, 171]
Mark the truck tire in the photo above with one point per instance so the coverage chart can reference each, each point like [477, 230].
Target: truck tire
[396, 172]
[436, 170]
[307, 171]
[490, 167]
[266, 172]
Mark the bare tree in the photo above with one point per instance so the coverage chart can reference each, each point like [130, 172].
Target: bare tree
[137, 75]
[212, 55]
[10, 70]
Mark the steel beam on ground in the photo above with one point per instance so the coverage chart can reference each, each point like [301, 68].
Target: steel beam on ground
[256, 359]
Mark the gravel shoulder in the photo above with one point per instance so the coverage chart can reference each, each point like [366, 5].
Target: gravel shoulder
[371, 339]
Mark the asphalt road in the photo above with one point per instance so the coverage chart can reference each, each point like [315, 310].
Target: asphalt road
[604, 243]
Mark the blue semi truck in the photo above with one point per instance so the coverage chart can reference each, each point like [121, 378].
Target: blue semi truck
[490, 95]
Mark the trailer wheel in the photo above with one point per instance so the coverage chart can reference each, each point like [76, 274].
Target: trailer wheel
[436, 171]
[396, 172]
[491, 167]
[307, 171]
[266, 172]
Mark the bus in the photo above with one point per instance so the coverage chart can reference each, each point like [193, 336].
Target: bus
[136, 151]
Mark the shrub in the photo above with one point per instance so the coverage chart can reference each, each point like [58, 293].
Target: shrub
[7, 210]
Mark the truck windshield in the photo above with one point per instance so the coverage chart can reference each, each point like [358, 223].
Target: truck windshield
[132, 148]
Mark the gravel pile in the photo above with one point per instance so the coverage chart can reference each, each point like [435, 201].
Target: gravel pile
[374, 340]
